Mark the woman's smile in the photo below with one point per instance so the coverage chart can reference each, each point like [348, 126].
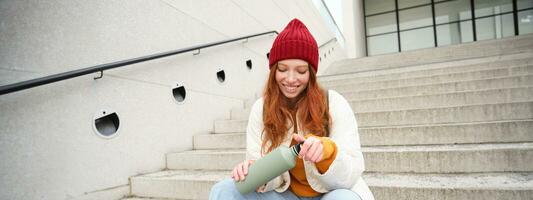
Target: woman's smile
[291, 88]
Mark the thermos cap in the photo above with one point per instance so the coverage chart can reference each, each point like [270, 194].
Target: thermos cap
[297, 148]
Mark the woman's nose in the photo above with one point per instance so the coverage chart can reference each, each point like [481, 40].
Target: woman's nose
[291, 77]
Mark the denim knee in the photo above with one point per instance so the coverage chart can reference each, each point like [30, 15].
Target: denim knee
[223, 189]
[341, 194]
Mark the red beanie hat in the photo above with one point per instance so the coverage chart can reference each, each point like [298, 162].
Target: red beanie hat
[295, 41]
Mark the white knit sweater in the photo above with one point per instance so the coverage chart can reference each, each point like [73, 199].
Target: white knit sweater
[345, 171]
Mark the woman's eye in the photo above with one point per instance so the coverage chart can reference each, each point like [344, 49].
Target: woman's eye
[302, 72]
[282, 70]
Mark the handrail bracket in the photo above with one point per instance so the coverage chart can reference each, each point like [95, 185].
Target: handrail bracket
[197, 52]
[101, 75]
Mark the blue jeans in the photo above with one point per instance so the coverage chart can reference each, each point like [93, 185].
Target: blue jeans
[226, 190]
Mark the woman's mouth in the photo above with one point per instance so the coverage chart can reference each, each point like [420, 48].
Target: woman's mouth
[290, 89]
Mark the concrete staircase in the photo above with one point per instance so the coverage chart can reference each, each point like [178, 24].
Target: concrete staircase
[445, 129]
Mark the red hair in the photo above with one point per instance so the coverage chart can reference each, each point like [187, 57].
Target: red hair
[311, 108]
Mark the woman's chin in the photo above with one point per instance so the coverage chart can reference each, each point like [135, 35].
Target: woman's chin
[290, 95]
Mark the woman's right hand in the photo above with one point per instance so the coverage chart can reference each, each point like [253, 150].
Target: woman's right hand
[241, 170]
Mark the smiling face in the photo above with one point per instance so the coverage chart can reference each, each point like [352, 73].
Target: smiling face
[292, 76]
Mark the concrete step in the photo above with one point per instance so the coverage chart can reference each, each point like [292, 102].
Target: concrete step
[220, 159]
[476, 186]
[230, 126]
[463, 158]
[505, 62]
[456, 133]
[456, 77]
[220, 141]
[497, 157]
[179, 184]
[404, 186]
[151, 198]
[425, 116]
[490, 96]
[480, 49]
[459, 133]
[456, 114]
[241, 113]
[471, 85]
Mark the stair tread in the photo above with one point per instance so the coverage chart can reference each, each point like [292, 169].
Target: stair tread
[192, 175]
[422, 95]
[396, 148]
[150, 198]
[442, 83]
[440, 94]
[399, 126]
[499, 181]
[213, 151]
[495, 181]
[445, 107]
[449, 147]
[219, 134]
[459, 77]
[410, 109]
[443, 124]
[400, 75]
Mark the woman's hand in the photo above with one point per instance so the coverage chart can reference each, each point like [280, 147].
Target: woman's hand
[241, 170]
[311, 149]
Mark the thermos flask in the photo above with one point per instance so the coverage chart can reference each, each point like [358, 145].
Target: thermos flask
[268, 167]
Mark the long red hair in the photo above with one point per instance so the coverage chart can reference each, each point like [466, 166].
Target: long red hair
[311, 108]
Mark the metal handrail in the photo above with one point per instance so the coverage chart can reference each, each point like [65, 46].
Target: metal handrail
[329, 41]
[100, 68]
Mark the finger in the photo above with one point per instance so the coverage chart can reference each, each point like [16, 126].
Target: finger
[243, 176]
[305, 149]
[245, 167]
[234, 174]
[318, 155]
[314, 147]
[237, 176]
[240, 176]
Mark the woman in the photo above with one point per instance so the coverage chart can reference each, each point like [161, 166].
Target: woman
[295, 109]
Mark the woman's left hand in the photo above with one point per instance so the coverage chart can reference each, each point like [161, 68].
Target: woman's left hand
[311, 149]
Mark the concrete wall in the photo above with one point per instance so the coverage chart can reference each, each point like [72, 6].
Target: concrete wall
[354, 28]
[48, 149]
[329, 53]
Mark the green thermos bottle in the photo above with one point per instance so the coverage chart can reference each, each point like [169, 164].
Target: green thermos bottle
[269, 167]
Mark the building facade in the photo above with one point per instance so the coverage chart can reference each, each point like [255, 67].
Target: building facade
[401, 25]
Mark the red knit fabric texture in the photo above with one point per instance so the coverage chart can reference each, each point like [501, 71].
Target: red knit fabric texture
[295, 41]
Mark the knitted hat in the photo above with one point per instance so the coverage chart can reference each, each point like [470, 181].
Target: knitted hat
[295, 41]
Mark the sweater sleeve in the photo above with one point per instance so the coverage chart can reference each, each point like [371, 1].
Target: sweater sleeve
[328, 156]
[254, 130]
[329, 153]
